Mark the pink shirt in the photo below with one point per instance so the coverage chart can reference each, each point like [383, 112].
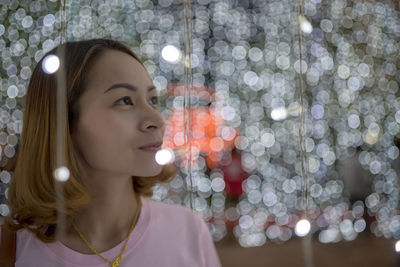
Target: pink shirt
[165, 235]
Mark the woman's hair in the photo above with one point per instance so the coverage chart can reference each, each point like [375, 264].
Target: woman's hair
[31, 195]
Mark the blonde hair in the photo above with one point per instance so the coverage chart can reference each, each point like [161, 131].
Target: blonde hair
[31, 195]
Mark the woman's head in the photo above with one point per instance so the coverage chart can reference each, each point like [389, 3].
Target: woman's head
[112, 112]
[118, 114]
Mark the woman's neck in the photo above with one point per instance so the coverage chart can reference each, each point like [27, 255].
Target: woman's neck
[106, 221]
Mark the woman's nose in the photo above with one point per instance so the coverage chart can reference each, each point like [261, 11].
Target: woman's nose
[152, 121]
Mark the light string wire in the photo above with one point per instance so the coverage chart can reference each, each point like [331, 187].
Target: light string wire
[63, 21]
[188, 87]
[302, 128]
[307, 240]
[61, 111]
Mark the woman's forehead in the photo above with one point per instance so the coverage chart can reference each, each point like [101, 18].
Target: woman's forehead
[118, 67]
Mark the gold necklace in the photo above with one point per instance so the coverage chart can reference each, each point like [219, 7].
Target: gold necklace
[117, 260]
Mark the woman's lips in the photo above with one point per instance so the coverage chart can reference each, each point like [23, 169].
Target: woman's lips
[151, 147]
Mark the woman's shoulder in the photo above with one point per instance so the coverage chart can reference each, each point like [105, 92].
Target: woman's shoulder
[21, 235]
[179, 223]
[173, 212]
[164, 207]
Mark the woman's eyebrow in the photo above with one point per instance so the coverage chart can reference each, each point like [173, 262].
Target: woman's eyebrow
[128, 86]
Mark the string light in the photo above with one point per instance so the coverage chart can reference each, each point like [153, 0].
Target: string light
[305, 25]
[171, 54]
[302, 227]
[50, 64]
[252, 60]
[279, 114]
[61, 174]
[164, 156]
[397, 246]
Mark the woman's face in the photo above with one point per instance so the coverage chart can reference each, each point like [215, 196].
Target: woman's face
[118, 114]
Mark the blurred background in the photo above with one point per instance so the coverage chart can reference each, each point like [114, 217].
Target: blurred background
[258, 71]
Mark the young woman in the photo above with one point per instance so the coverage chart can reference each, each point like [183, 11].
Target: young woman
[113, 130]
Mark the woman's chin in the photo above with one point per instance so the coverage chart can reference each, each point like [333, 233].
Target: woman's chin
[150, 171]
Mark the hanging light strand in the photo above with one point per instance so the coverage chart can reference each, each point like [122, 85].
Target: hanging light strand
[187, 114]
[61, 172]
[63, 20]
[61, 91]
[307, 241]
[302, 128]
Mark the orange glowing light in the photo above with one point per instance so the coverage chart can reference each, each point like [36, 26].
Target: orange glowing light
[209, 134]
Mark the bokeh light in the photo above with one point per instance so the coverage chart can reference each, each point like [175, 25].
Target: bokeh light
[164, 156]
[305, 25]
[246, 159]
[397, 246]
[302, 227]
[61, 174]
[50, 64]
[171, 54]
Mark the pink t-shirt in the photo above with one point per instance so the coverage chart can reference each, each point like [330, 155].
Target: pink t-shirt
[165, 235]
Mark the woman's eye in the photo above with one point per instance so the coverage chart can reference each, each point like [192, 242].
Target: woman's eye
[154, 100]
[126, 100]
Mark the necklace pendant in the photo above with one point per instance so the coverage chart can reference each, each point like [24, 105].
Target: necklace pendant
[116, 262]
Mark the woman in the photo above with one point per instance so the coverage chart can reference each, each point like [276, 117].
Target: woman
[113, 130]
